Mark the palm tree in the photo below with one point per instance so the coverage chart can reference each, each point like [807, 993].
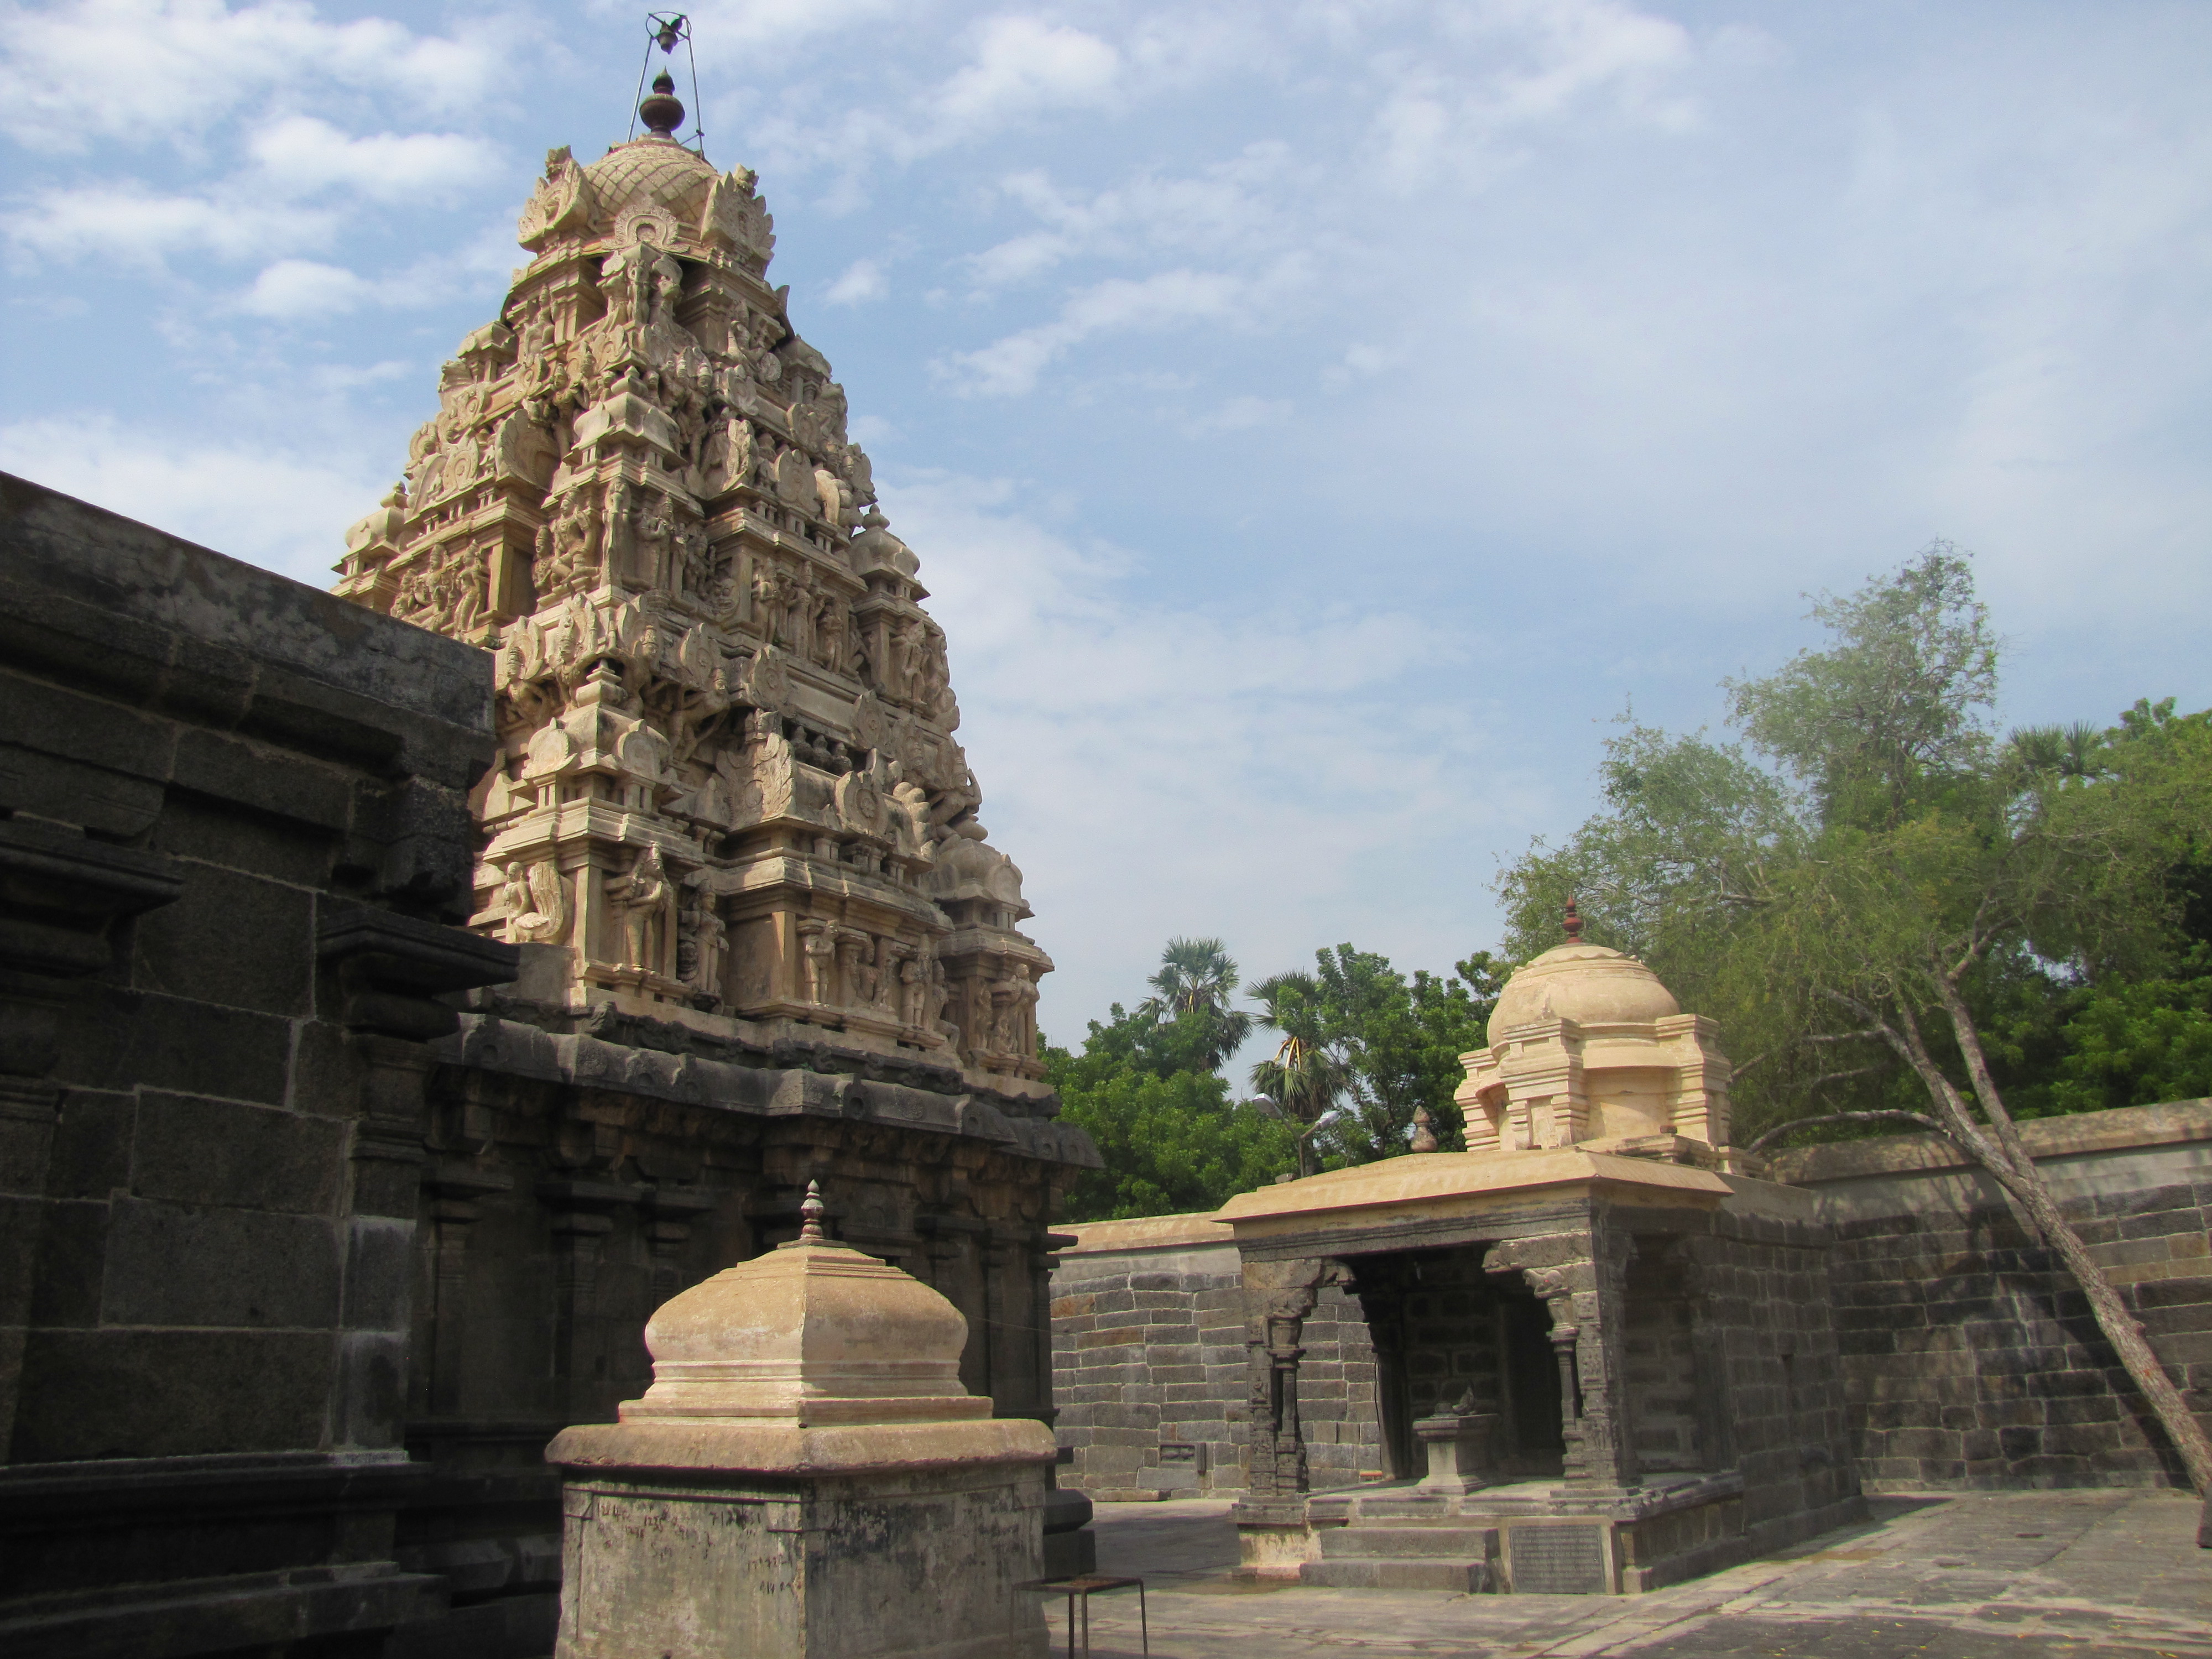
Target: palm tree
[1196, 978]
[1305, 1075]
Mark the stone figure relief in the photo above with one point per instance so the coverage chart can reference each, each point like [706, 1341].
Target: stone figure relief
[645, 901]
[819, 950]
[700, 965]
[536, 903]
[914, 991]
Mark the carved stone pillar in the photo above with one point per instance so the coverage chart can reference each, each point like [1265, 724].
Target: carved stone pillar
[1582, 1278]
[996, 1256]
[1041, 1264]
[1277, 1297]
[1602, 1357]
[384, 974]
[59, 895]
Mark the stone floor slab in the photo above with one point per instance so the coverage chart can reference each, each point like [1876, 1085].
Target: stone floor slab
[1976, 1575]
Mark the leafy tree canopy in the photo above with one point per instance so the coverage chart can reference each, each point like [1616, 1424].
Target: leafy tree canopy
[1355, 1035]
[1872, 843]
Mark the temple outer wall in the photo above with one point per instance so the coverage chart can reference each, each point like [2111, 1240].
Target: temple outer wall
[1150, 1367]
[234, 823]
[1967, 1360]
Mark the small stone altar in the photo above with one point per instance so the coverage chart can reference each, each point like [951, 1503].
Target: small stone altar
[805, 1477]
[1605, 1356]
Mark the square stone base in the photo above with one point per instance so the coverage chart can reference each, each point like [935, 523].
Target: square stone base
[912, 1564]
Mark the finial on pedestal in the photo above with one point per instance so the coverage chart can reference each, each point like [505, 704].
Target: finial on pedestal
[1574, 924]
[810, 1215]
[1425, 1134]
[662, 112]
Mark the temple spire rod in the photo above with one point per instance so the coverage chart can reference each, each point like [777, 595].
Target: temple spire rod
[663, 111]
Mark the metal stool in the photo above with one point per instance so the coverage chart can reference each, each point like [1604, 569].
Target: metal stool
[1082, 1588]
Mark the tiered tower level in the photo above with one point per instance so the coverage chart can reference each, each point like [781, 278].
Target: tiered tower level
[728, 787]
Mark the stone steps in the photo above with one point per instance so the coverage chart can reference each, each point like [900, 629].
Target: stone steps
[1415, 1556]
[1463, 1578]
[1371, 1542]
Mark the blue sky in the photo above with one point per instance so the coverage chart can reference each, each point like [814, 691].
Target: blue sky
[1316, 422]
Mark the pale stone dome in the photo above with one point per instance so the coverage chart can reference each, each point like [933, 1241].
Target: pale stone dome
[1584, 982]
[813, 1332]
[654, 175]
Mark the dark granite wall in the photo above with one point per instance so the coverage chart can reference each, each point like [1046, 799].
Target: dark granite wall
[232, 827]
[1970, 1358]
[309, 1240]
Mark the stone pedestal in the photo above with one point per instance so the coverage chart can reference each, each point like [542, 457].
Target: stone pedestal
[805, 1477]
[1458, 1445]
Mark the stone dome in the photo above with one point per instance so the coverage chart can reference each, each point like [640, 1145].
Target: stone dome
[653, 175]
[1584, 982]
[814, 1332]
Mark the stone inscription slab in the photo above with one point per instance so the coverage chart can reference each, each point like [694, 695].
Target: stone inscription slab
[1557, 1560]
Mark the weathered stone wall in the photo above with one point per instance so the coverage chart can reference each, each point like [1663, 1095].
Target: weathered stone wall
[1148, 1360]
[1337, 1394]
[1969, 1359]
[1150, 1367]
[233, 819]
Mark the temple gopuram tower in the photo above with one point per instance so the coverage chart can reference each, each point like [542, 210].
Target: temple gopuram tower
[729, 786]
[763, 941]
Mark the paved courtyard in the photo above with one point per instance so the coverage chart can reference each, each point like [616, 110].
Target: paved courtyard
[2008, 1576]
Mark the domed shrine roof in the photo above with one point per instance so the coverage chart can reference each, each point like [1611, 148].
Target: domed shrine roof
[813, 1331]
[1581, 982]
[653, 170]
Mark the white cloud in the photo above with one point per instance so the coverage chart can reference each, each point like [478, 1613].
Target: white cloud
[863, 280]
[151, 71]
[1158, 767]
[1023, 64]
[1009, 367]
[300, 154]
[1518, 64]
[1250, 203]
[724, 28]
[284, 511]
[141, 226]
[294, 288]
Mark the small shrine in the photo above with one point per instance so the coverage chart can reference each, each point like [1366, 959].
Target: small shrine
[1603, 1352]
[1588, 1049]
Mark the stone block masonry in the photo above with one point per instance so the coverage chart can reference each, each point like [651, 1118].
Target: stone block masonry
[1150, 1367]
[233, 824]
[1970, 1359]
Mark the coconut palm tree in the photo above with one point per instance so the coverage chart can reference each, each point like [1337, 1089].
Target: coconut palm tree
[1305, 1075]
[1196, 978]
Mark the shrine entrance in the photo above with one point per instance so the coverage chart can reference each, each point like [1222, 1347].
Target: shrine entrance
[1447, 1334]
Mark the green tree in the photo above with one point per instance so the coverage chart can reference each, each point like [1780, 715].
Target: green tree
[1170, 1144]
[1360, 1038]
[1195, 980]
[1305, 1076]
[1146, 1085]
[1854, 908]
